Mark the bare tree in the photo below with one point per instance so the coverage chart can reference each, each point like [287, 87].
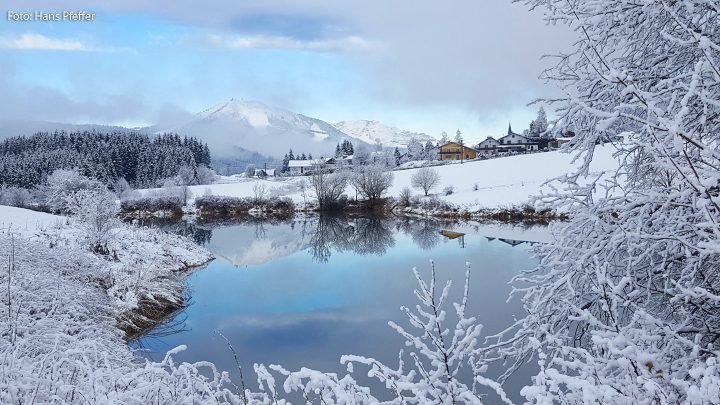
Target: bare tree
[259, 193]
[371, 182]
[328, 187]
[425, 179]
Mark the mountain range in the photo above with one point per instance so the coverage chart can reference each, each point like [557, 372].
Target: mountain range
[374, 132]
[250, 132]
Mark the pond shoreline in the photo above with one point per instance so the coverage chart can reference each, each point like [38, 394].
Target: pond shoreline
[509, 215]
[149, 314]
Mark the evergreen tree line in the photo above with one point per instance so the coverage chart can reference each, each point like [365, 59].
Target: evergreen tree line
[344, 149]
[26, 161]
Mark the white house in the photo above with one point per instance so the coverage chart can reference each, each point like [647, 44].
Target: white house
[513, 142]
[301, 167]
[488, 147]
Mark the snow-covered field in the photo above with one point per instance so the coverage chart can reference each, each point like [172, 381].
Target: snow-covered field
[500, 182]
[26, 222]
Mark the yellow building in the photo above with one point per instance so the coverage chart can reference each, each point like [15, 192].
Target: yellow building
[455, 151]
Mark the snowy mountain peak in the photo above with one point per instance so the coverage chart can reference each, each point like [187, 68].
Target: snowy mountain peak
[239, 125]
[375, 131]
[255, 113]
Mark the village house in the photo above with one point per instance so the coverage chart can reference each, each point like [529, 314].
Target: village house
[264, 173]
[511, 142]
[488, 147]
[560, 141]
[307, 166]
[455, 151]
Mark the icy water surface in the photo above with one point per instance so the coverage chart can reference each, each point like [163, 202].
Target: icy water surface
[304, 292]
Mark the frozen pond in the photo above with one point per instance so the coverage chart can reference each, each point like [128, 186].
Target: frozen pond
[304, 292]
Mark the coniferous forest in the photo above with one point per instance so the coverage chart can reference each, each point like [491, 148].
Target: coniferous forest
[25, 161]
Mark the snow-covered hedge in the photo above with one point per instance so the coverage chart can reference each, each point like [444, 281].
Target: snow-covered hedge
[220, 206]
[162, 203]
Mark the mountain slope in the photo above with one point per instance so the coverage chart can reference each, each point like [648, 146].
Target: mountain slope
[371, 131]
[252, 126]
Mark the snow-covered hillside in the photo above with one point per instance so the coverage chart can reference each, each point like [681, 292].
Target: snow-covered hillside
[500, 182]
[253, 126]
[372, 131]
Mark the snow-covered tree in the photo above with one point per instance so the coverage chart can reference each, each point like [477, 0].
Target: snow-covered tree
[285, 164]
[426, 179]
[624, 305]
[347, 148]
[362, 155]
[539, 125]
[378, 145]
[204, 175]
[459, 138]
[97, 211]
[415, 149]
[397, 156]
[444, 138]
[61, 184]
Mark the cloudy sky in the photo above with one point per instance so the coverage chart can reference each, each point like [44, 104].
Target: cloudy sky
[420, 65]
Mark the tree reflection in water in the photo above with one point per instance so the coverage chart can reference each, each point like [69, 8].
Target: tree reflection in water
[371, 235]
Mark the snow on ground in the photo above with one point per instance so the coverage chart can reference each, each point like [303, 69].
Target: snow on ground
[504, 181]
[501, 182]
[26, 222]
[61, 304]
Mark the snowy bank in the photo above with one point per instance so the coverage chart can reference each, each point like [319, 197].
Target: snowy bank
[64, 306]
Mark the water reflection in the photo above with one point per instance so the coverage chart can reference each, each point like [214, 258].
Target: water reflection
[304, 291]
[257, 240]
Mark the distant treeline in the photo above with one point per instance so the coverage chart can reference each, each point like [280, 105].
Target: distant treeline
[25, 161]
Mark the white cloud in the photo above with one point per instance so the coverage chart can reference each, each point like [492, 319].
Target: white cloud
[41, 42]
[343, 44]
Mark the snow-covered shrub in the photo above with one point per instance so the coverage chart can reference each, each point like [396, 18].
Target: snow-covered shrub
[448, 190]
[425, 179]
[162, 203]
[215, 205]
[124, 190]
[279, 204]
[63, 183]
[433, 203]
[97, 211]
[15, 197]
[205, 175]
[475, 187]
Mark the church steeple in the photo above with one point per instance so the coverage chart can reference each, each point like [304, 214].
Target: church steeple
[509, 129]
